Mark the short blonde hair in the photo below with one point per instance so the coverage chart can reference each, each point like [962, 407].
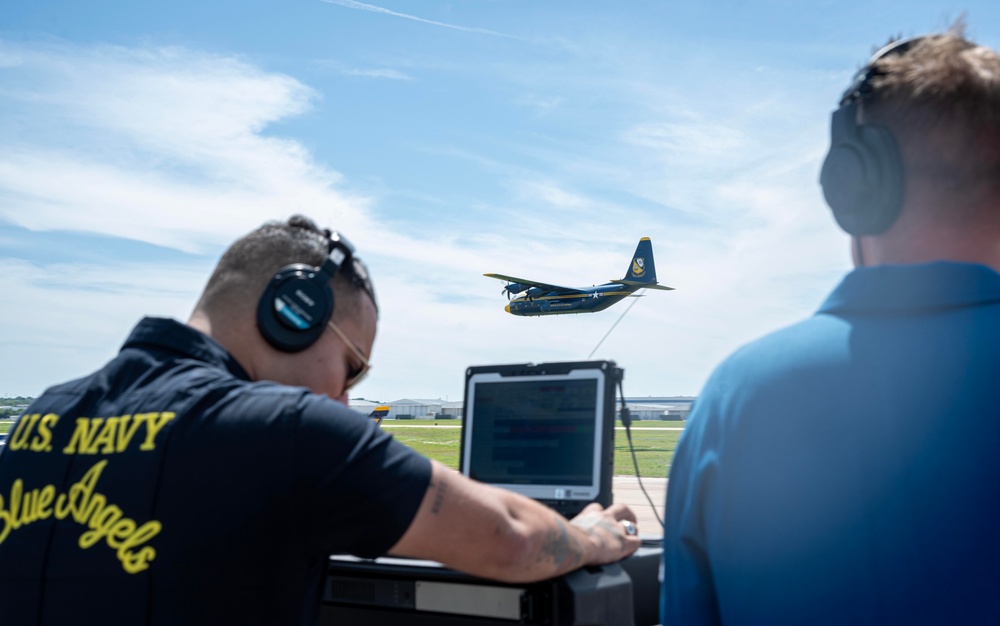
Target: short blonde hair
[941, 99]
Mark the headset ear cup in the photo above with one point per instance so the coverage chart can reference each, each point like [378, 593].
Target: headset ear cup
[887, 191]
[844, 183]
[862, 175]
[296, 305]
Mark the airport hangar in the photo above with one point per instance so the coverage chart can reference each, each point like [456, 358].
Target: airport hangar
[669, 408]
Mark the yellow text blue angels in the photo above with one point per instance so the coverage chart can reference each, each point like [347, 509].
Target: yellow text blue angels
[535, 298]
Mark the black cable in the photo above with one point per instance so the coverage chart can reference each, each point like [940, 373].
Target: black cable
[627, 423]
[615, 324]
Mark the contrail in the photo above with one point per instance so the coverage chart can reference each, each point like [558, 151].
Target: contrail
[351, 4]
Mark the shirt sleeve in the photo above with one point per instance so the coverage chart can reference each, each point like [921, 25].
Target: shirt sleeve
[365, 487]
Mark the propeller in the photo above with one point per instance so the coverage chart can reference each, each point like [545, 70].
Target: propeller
[514, 288]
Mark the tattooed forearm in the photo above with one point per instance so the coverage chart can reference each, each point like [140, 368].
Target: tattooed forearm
[441, 487]
[561, 548]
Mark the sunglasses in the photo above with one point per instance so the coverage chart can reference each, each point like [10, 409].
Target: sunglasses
[354, 374]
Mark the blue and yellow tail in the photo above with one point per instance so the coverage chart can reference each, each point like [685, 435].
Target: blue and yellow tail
[641, 272]
[379, 413]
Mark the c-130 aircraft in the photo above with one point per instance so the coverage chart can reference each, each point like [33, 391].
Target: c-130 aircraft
[547, 299]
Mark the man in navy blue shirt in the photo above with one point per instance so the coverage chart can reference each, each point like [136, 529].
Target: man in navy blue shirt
[204, 475]
[845, 470]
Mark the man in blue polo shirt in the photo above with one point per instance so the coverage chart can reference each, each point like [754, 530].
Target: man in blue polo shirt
[845, 470]
[204, 475]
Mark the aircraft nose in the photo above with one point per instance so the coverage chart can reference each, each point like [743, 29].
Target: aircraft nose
[507, 308]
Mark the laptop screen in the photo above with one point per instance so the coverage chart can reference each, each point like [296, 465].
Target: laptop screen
[545, 431]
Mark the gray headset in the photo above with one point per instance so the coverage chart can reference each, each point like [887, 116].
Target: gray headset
[862, 175]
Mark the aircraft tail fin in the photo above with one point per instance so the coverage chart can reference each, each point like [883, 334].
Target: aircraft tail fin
[641, 270]
[379, 413]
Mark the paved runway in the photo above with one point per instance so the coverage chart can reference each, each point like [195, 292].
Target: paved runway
[626, 489]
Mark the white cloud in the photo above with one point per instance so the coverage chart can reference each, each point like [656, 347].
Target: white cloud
[63, 321]
[169, 146]
[738, 226]
[695, 141]
[541, 104]
[8, 60]
[380, 73]
[162, 145]
[552, 194]
[346, 69]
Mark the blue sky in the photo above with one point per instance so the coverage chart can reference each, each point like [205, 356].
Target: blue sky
[445, 139]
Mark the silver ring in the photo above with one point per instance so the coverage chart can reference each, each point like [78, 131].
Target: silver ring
[629, 527]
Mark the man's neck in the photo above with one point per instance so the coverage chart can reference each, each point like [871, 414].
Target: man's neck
[970, 235]
[238, 349]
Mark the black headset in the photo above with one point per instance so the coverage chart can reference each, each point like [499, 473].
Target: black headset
[298, 302]
[862, 176]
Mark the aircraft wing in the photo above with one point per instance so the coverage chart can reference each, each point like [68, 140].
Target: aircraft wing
[535, 283]
[633, 283]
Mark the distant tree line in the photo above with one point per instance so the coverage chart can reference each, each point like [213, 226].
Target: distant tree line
[12, 407]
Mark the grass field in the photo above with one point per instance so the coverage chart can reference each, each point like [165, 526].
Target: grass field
[654, 443]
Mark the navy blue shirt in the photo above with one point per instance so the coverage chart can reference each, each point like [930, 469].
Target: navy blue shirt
[846, 470]
[168, 488]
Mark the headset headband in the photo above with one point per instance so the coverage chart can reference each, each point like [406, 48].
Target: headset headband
[861, 88]
[339, 249]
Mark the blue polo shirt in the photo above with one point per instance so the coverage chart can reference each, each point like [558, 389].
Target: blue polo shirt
[846, 470]
[168, 488]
